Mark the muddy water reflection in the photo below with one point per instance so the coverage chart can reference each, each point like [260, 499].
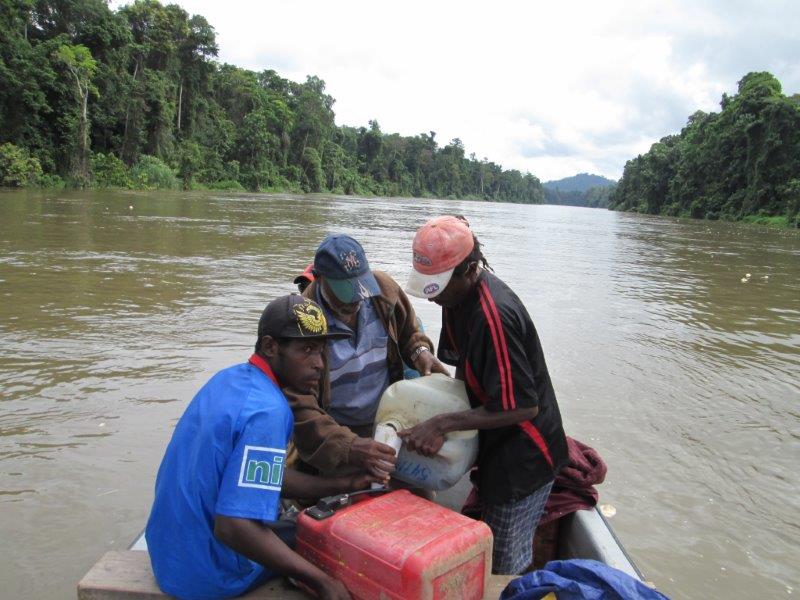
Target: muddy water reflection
[115, 307]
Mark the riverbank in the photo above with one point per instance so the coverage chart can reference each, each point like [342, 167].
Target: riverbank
[777, 222]
[20, 170]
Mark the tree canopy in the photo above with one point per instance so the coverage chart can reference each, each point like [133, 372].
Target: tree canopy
[739, 163]
[135, 97]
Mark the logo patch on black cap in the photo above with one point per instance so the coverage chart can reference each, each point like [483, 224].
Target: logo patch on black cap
[310, 319]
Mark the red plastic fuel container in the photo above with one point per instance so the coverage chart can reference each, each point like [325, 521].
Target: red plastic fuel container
[400, 546]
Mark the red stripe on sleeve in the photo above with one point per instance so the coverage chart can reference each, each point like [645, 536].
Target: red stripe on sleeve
[472, 382]
[537, 438]
[503, 362]
[504, 376]
[503, 345]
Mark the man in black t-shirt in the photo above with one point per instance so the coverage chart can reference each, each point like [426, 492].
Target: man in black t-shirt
[489, 337]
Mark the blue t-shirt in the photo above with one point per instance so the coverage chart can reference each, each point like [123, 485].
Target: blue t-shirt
[226, 457]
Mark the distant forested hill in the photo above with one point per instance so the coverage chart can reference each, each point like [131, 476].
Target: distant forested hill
[740, 163]
[579, 183]
[134, 97]
[583, 189]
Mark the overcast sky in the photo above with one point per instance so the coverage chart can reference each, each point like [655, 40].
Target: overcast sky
[550, 88]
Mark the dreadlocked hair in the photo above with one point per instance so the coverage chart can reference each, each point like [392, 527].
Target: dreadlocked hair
[476, 255]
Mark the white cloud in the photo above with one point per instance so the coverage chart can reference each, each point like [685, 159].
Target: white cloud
[581, 86]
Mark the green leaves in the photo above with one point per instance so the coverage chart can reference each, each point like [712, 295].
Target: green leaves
[17, 167]
[151, 173]
[78, 59]
[738, 162]
[109, 171]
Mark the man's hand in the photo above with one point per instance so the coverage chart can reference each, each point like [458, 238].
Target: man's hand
[260, 544]
[426, 363]
[375, 458]
[426, 438]
[361, 481]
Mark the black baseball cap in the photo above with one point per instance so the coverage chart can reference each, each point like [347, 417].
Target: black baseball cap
[295, 317]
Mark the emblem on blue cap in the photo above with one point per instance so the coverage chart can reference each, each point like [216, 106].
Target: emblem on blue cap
[363, 292]
[350, 261]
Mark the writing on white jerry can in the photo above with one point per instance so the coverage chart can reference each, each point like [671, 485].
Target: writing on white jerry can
[411, 401]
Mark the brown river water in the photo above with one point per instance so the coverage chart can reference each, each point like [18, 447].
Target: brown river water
[115, 307]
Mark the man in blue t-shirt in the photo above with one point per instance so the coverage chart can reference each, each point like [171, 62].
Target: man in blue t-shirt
[210, 532]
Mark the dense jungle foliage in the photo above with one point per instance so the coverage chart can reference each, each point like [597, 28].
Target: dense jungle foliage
[740, 163]
[135, 98]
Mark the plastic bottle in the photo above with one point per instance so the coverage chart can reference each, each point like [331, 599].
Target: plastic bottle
[412, 401]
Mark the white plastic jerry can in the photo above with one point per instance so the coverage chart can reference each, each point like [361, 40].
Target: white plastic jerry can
[411, 401]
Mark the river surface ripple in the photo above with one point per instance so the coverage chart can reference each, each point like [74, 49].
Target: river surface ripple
[115, 307]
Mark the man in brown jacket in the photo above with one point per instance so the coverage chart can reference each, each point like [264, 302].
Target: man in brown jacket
[333, 430]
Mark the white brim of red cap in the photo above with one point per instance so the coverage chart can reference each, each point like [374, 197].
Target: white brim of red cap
[428, 286]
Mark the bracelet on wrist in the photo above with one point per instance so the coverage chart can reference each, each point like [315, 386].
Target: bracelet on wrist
[417, 351]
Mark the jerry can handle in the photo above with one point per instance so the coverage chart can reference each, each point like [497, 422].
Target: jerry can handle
[326, 507]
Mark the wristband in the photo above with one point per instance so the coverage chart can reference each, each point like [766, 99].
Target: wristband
[417, 351]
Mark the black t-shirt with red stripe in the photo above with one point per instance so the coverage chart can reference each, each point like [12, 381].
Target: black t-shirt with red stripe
[492, 342]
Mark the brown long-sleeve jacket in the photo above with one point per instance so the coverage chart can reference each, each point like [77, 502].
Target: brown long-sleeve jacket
[319, 440]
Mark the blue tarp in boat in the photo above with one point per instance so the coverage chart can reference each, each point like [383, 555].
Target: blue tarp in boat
[579, 579]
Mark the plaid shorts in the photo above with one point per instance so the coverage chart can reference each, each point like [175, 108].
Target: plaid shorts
[513, 526]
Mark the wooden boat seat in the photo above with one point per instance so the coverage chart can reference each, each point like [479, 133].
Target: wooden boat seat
[126, 575]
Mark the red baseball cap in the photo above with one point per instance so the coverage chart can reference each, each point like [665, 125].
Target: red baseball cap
[307, 274]
[439, 246]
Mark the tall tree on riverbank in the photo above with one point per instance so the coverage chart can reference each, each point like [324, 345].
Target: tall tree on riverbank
[81, 67]
[740, 162]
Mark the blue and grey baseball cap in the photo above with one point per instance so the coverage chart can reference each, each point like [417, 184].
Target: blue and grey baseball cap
[341, 261]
